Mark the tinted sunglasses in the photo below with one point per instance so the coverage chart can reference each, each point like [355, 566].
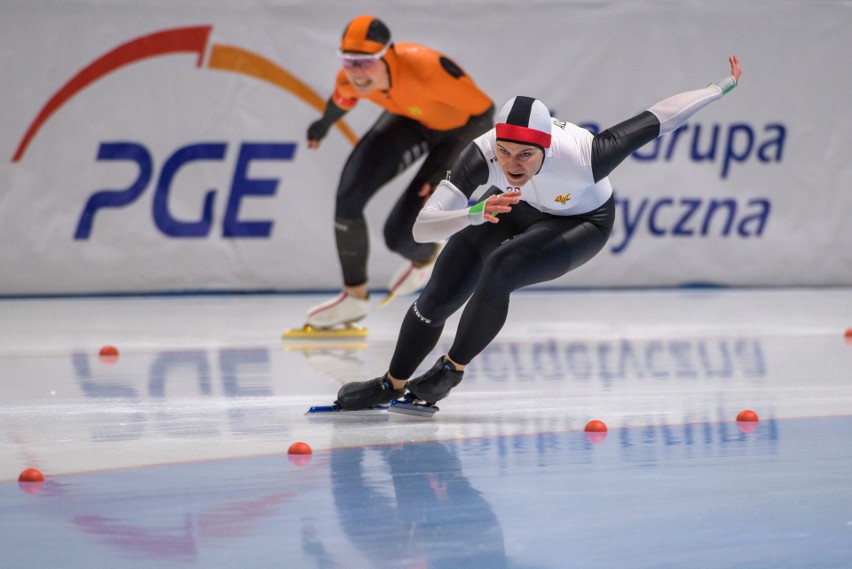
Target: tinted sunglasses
[361, 60]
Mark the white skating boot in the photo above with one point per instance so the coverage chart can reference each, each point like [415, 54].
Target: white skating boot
[410, 278]
[339, 311]
[335, 317]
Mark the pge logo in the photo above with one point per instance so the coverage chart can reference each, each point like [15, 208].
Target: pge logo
[193, 40]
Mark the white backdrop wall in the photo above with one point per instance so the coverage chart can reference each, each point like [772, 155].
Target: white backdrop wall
[157, 146]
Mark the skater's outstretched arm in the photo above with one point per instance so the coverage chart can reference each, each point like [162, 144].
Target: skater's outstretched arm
[612, 146]
[676, 110]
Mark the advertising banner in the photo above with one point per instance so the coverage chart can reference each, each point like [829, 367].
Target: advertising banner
[148, 147]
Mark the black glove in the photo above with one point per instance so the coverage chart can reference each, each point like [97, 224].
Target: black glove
[318, 130]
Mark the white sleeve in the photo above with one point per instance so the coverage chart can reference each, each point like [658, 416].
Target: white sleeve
[446, 213]
[677, 109]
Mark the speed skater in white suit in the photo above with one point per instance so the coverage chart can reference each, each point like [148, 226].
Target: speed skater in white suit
[547, 181]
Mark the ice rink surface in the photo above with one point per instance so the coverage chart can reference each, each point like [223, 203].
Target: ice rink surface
[175, 453]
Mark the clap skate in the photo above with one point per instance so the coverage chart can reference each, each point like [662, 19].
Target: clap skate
[427, 389]
[328, 410]
[362, 396]
[414, 407]
[335, 318]
[410, 277]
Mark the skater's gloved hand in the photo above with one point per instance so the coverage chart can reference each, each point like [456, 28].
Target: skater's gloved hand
[319, 128]
[316, 132]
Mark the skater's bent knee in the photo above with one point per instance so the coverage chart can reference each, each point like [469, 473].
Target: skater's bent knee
[427, 315]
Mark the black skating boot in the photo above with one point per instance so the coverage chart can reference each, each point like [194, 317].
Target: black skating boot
[360, 395]
[436, 383]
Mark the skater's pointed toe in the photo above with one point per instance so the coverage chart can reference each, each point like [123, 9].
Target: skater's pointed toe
[436, 383]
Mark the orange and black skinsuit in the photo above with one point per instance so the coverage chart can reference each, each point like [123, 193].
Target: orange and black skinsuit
[432, 107]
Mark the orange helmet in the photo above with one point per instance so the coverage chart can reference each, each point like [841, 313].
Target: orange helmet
[365, 35]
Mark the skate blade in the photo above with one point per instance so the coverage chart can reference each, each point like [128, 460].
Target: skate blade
[308, 331]
[324, 345]
[406, 407]
[388, 299]
[318, 411]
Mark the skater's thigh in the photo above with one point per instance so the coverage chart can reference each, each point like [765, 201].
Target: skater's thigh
[457, 270]
[381, 154]
[402, 216]
[397, 230]
[545, 251]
